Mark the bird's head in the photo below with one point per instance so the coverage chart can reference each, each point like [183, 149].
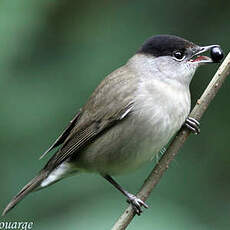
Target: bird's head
[177, 58]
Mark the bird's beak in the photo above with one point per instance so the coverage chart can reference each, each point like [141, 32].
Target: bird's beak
[197, 58]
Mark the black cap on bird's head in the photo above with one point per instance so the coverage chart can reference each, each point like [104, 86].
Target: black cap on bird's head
[164, 45]
[178, 48]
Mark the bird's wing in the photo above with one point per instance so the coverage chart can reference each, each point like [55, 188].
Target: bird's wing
[110, 103]
[64, 134]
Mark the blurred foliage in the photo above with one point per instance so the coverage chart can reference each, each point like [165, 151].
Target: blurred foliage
[52, 55]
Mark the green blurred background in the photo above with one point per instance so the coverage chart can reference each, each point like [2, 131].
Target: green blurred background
[52, 55]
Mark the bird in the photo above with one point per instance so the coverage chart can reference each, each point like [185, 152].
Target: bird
[130, 117]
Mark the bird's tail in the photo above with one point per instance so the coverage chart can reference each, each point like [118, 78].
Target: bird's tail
[31, 186]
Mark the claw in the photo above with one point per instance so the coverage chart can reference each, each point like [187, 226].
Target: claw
[133, 200]
[193, 125]
[136, 203]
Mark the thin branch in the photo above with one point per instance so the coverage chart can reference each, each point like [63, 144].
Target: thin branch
[197, 112]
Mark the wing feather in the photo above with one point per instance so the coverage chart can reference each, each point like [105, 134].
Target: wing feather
[63, 135]
[86, 134]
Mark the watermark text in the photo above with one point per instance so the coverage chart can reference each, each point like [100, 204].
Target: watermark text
[16, 225]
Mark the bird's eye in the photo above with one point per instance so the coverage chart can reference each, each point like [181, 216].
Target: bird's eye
[178, 55]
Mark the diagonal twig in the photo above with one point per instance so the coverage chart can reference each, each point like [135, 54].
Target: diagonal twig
[197, 112]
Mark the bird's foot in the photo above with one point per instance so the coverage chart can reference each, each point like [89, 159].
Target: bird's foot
[193, 125]
[136, 203]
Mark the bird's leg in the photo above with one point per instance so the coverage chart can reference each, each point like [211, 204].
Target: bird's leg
[193, 125]
[132, 199]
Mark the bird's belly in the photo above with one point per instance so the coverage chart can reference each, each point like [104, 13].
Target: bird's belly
[128, 145]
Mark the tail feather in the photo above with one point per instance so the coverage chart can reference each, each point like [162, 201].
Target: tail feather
[32, 185]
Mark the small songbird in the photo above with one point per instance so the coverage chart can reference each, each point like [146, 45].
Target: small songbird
[130, 117]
